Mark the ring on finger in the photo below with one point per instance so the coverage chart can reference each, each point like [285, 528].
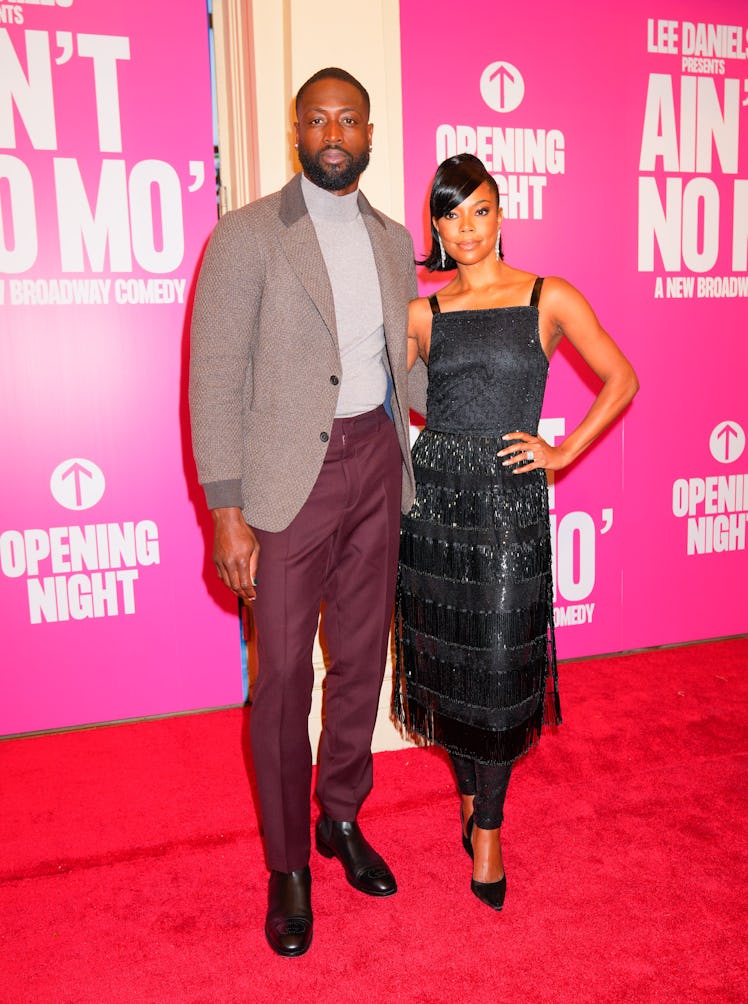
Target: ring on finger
[530, 455]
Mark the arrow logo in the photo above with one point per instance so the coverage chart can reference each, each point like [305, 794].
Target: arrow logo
[77, 483]
[502, 74]
[727, 431]
[77, 470]
[502, 86]
[727, 442]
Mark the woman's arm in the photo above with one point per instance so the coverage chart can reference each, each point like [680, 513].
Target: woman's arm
[564, 313]
[412, 351]
[419, 330]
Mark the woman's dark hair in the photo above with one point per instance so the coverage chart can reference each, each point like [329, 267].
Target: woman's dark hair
[455, 179]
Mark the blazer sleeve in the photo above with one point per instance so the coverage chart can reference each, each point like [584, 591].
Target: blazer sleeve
[223, 328]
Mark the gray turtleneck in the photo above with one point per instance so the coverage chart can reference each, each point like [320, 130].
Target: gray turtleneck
[349, 259]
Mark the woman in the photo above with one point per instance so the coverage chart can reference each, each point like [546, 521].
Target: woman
[476, 670]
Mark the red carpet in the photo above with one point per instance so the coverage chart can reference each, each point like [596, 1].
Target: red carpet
[131, 867]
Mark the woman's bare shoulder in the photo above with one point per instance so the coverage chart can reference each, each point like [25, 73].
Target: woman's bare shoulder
[558, 289]
[419, 312]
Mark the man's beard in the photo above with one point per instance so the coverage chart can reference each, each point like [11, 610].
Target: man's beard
[332, 177]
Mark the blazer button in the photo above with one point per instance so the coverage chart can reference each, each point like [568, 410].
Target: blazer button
[324, 437]
[334, 380]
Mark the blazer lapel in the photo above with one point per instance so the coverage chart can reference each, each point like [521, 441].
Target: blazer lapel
[390, 288]
[301, 247]
[394, 306]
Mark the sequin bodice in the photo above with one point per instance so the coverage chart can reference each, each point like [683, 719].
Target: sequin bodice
[487, 371]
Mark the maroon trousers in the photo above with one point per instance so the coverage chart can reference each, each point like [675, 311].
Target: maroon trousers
[341, 549]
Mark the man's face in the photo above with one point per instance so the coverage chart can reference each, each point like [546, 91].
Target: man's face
[333, 135]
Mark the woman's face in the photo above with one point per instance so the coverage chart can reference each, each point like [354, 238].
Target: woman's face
[469, 231]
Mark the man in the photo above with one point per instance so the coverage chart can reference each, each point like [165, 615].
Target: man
[298, 336]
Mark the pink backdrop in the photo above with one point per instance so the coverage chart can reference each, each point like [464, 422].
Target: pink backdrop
[619, 140]
[629, 179]
[107, 195]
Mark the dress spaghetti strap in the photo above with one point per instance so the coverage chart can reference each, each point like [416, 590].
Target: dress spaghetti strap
[535, 298]
[434, 304]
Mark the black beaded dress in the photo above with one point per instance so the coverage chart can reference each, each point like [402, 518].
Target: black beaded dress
[475, 659]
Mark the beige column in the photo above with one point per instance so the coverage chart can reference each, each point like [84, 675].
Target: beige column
[236, 100]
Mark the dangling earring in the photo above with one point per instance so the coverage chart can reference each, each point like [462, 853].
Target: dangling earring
[498, 245]
[441, 251]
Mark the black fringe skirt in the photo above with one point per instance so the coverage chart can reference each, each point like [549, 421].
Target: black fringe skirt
[475, 661]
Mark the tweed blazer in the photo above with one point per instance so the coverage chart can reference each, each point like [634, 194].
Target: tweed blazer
[264, 360]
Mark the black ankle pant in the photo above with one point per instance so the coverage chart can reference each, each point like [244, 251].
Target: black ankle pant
[488, 783]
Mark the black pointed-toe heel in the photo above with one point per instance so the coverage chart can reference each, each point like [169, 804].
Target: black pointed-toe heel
[490, 893]
[467, 842]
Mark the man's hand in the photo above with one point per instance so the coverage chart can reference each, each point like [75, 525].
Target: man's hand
[236, 552]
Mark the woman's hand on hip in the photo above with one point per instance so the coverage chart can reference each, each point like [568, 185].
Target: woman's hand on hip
[531, 453]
